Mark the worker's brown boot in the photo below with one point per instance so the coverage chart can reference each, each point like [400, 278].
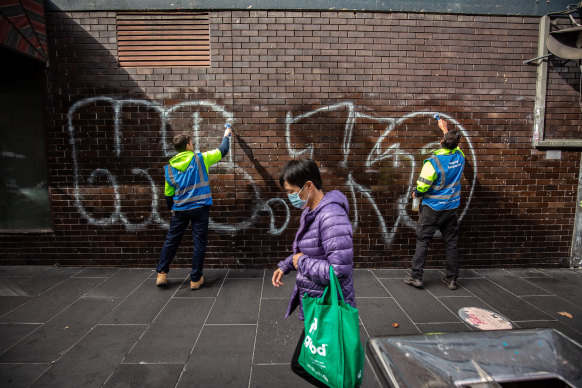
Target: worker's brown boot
[162, 280]
[196, 285]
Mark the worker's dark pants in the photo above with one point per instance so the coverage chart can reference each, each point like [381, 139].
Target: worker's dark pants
[447, 221]
[180, 221]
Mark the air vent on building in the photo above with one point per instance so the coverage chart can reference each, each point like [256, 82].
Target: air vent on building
[163, 39]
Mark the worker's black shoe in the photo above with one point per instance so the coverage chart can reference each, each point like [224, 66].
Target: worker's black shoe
[450, 282]
[413, 281]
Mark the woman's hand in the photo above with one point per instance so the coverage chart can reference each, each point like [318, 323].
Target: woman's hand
[277, 276]
[296, 258]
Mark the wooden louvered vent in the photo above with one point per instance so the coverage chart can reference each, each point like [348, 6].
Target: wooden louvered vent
[163, 39]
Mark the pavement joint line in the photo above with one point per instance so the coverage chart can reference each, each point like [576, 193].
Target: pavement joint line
[148, 325]
[50, 319]
[257, 329]
[201, 329]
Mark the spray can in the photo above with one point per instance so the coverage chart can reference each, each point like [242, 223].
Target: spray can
[415, 204]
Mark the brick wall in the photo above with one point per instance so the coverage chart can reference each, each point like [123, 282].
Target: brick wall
[354, 90]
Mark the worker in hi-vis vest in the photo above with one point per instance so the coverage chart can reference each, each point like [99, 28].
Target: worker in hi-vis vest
[439, 186]
[188, 196]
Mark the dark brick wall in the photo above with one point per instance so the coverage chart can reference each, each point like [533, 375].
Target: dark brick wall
[356, 91]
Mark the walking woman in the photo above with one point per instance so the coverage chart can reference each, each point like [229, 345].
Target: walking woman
[324, 238]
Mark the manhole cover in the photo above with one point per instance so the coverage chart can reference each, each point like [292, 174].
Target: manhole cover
[484, 319]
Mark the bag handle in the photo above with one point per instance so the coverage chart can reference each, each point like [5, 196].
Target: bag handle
[335, 287]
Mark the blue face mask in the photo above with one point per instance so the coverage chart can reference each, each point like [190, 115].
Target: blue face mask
[296, 201]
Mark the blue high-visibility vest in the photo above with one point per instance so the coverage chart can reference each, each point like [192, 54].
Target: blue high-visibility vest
[445, 192]
[192, 185]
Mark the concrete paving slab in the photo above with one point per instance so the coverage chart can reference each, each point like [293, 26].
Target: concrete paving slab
[9, 303]
[36, 284]
[528, 272]
[92, 360]
[23, 270]
[121, 284]
[53, 339]
[368, 285]
[145, 376]
[390, 273]
[512, 283]
[420, 306]
[276, 375]
[564, 329]
[237, 302]
[378, 315]
[213, 281]
[246, 273]
[277, 336]
[222, 357]
[44, 307]
[96, 273]
[554, 305]
[508, 304]
[20, 375]
[446, 327]
[171, 337]
[13, 333]
[142, 305]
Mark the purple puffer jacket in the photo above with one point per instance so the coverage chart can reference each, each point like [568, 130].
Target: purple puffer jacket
[324, 237]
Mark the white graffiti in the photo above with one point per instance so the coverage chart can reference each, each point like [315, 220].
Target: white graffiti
[165, 113]
[401, 157]
[376, 156]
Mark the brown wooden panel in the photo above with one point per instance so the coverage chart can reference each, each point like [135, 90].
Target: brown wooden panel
[164, 39]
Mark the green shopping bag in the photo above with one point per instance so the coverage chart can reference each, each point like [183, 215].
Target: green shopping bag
[332, 351]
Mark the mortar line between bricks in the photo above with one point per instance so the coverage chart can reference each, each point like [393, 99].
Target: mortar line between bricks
[50, 319]
[257, 329]
[201, 329]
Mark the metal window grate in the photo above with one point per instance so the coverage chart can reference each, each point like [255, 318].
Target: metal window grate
[163, 39]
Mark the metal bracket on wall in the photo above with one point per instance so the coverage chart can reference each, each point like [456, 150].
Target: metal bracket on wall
[539, 140]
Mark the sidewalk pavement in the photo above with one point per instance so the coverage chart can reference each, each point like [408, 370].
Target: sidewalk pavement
[112, 327]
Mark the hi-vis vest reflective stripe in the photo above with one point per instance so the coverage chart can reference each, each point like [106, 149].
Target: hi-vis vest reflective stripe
[192, 185]
[445, 192]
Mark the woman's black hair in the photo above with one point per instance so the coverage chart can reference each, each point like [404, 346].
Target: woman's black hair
[298, 172]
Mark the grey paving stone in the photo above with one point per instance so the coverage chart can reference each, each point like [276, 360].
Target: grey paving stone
[246, 273]
[370, 380]
[390, 273]
[47, 305]
[20, 375]
[213, 281]
[569, 275]
[528, 272]
[514, 284]
[24, 270]
[12, 333]
[509, 305]
[121, 284]
[420, 306]
[142, 305]
[448, 327]
[281, 292]
[433, 284]
[9, 303]
[378, 315]
[553, 305]
[90, 362]
[172, 335]
[467, 274]
[557, 286]
[367, 285]
[54, 338]
[144, 376]
[237, 302]
[276, 376]
[222, 357]
[37, 284]
[276, 336]
[96, 273]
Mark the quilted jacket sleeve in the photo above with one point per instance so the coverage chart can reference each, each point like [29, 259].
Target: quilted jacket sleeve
[336, 239]
[286, 265]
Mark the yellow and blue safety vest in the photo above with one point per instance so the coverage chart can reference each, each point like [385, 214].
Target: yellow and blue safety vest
[187, 179]
[440, 179]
